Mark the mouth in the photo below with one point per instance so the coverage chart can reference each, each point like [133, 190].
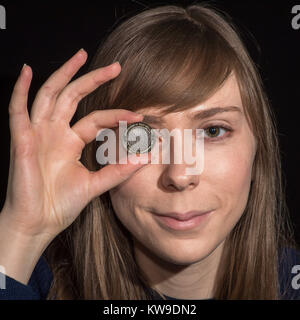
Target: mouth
[182, 221]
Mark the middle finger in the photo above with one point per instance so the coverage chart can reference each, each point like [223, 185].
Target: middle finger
[66, 103]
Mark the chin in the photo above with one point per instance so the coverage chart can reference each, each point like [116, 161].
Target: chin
[182, 260]
[185, 255]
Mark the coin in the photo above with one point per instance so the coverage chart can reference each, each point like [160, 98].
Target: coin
[137, 138]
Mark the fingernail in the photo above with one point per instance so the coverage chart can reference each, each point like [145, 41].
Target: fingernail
[23, 66]
[81, 51]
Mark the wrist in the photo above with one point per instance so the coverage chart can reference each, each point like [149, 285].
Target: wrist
[19, 252]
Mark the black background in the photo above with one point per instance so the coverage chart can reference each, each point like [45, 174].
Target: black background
[46, 34]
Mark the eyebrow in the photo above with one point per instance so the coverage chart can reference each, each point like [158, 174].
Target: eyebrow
[197, 115]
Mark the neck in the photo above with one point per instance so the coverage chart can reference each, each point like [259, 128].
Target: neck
[194, 281]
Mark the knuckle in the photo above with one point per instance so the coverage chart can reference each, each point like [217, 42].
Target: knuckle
[69, 94]
[13, 111]
[48, 92]
[99, 78]
[22, 150]
[65, 72]
[121, 174]
[93, 114]
[124, 171]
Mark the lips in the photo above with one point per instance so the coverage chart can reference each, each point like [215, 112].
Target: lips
[184, 216]
[182, 221]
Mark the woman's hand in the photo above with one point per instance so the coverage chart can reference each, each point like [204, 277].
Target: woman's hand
[48, 186]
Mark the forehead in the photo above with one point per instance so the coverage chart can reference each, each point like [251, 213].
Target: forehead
[225, 99]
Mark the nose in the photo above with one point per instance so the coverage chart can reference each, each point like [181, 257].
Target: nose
[174, 178]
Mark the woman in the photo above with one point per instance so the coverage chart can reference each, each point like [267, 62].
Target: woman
[111, 232]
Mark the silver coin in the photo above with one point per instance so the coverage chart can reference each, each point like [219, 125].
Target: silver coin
[137, 138]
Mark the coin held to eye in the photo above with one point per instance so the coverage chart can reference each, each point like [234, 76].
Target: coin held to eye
[137, 138]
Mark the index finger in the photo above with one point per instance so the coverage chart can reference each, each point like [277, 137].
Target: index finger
[68, 99]
[87, 127]
[43, 104]
[19, 120]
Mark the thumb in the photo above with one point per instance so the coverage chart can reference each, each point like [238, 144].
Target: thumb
[111, 175]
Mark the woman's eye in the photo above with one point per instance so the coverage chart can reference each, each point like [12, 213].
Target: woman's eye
[212, 133]
[215, 132]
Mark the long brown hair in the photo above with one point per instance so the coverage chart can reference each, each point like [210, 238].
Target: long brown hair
[175, 58]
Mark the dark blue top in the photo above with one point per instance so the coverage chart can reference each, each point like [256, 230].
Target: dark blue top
[41, 279]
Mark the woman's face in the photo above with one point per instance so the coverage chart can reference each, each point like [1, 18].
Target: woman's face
[223, 185]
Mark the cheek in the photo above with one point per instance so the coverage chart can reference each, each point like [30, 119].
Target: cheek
[123, 204]
[132, 191]
[229, 170]
[128, 197]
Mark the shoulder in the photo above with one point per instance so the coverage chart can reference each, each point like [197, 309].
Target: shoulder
[289, 273]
